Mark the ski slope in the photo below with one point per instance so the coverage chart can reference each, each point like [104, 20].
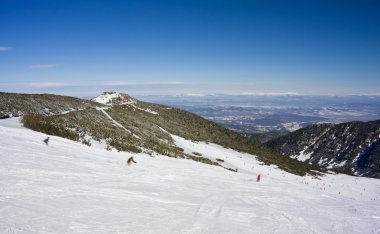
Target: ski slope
[67, 187]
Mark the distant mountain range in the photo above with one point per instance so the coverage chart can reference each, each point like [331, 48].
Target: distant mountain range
[352, 147]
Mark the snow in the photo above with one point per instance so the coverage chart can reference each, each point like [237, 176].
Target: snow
[67, 187]
[291, 126]
[146, 110]
[232, 159]
[302, 156]
[102, 144]
[106, 98]
[336, 164]
[68, 111]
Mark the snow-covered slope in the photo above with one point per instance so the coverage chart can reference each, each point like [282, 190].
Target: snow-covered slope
[67, 187]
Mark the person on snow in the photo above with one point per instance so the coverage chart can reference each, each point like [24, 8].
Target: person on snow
[130, 161]
[47, 141]
[258, 178]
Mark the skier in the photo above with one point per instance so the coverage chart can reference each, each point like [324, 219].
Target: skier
[258, 178]
[47, 141]
[130, 161]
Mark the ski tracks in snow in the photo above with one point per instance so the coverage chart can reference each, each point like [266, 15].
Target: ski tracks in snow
[207, 213]
[67, 187]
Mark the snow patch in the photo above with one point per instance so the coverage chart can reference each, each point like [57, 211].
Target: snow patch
[336, 164]
[146, 110]
[110, 98]
[291, 126]
[302, 156]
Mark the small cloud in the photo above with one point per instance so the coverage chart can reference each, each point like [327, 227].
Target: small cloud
[4, 48]
[41, 66]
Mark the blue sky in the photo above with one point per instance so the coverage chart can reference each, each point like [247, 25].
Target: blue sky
[80, 48]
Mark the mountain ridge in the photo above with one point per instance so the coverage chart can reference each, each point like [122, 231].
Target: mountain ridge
[351, 147]
[17, 104]
[138, 127]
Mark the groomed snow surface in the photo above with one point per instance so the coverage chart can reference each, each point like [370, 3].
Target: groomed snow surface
[67, 187]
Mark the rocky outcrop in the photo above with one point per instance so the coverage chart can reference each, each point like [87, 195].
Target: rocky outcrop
[352, 148]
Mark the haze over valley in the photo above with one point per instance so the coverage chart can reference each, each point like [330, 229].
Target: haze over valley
[269, 115]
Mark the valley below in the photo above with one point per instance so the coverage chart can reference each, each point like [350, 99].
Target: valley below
[267, 117]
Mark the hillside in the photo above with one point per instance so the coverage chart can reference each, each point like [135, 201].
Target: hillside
[352, 147]
[68, 187]
[135, 126]
[15, 104]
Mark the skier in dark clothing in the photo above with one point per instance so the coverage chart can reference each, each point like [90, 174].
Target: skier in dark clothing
[130, 161]
[47, 141]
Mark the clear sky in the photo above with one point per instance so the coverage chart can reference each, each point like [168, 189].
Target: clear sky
[79, 47]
